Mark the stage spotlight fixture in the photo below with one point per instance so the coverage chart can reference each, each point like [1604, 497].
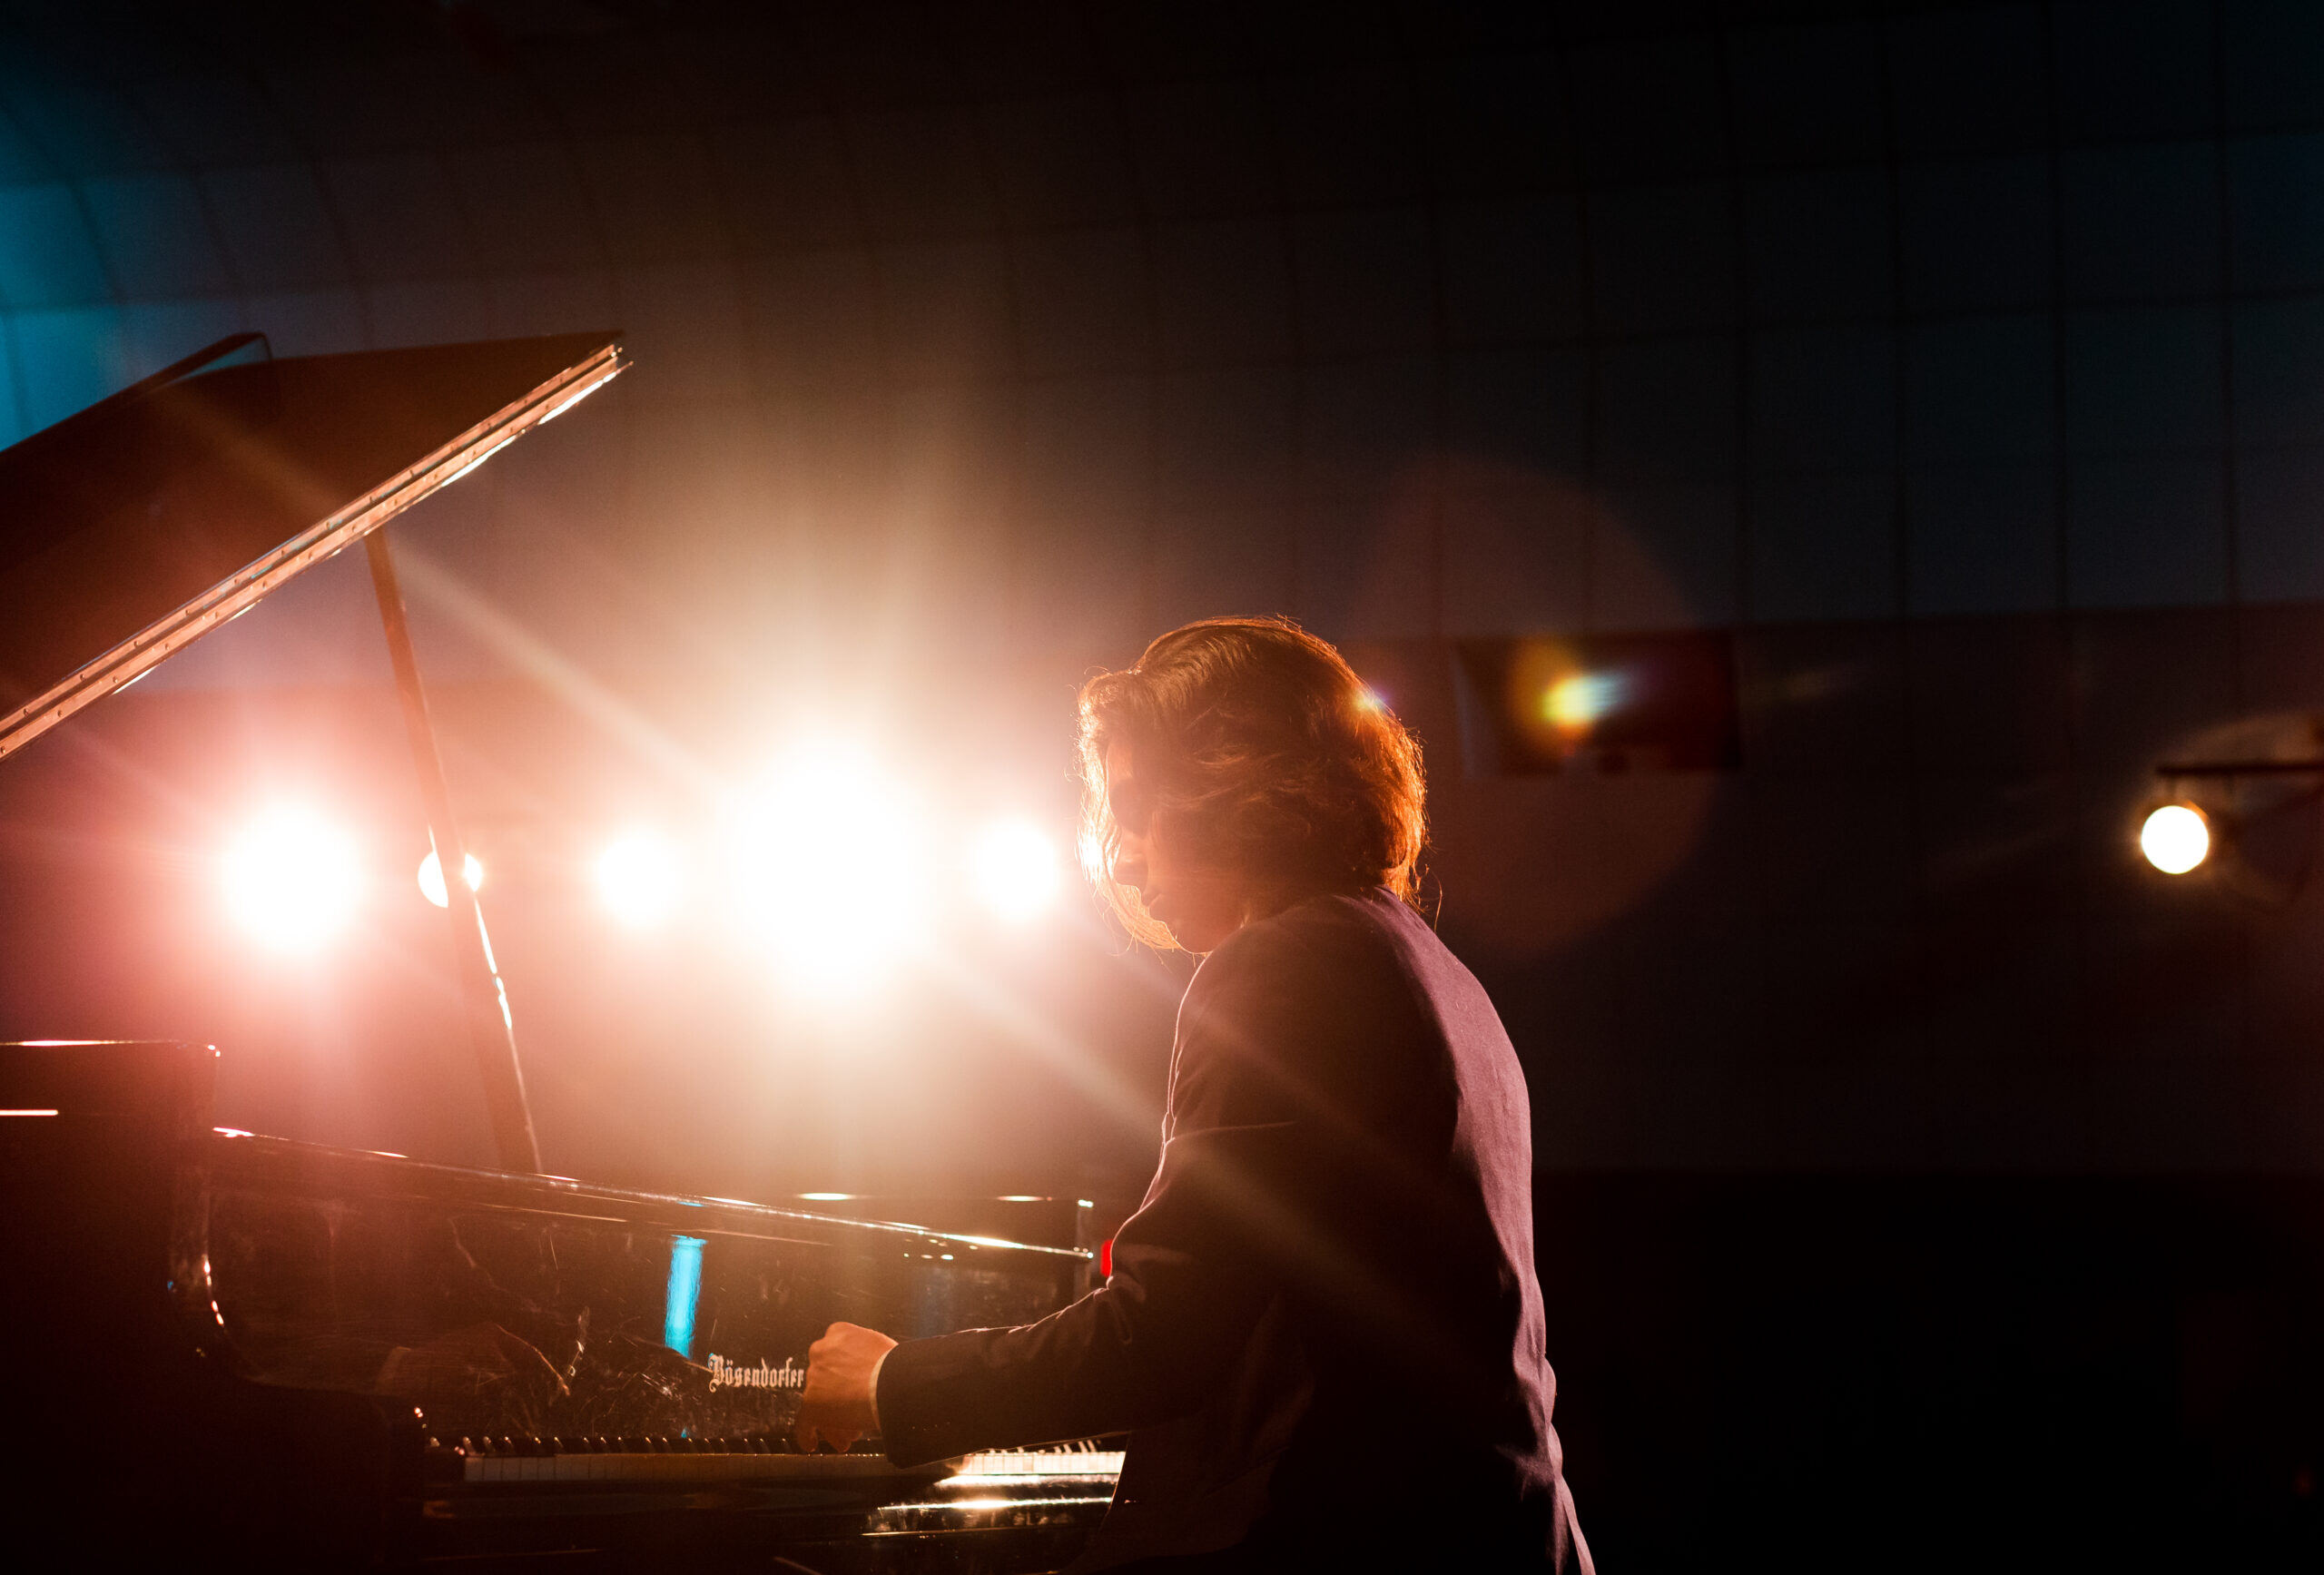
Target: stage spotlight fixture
[292, 878]
[640, 878]
[1014, 869]
[431, 876]
[2176, 838]
[829, 870]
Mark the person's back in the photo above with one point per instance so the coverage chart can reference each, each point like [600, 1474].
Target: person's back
[1376, 1171]
[1322, 1329]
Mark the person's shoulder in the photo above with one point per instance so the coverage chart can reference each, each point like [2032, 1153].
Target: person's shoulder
[1318, 941]
[1374, 923]
[1336, 992]
[1369, 950]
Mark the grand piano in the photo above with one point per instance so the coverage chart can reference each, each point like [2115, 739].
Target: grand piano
[228, 1347]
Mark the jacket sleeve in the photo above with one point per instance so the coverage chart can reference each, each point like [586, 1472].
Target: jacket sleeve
[1193, 1269]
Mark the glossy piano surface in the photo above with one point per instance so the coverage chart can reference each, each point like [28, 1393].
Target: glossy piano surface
[441, 1364]
[535, 1306]
[133, 528]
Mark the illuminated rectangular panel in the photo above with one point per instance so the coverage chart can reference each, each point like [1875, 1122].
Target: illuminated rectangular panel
[684, 1294]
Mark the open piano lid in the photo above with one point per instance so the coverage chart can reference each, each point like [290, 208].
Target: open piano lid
[153, 517]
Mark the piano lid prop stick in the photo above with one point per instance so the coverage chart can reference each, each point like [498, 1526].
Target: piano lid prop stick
[492, 1032]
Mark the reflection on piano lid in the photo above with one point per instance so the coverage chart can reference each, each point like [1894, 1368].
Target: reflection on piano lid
[135, 527]
[156, 516]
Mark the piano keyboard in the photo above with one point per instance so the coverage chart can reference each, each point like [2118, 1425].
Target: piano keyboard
[534, 1461]
[1020, 1464]
[686, 1467]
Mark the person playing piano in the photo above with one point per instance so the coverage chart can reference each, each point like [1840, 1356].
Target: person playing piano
[1323, 1331]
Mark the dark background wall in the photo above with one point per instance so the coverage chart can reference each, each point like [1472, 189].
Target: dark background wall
[1965, 363]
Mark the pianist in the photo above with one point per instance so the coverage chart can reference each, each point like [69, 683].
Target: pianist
[1323, 1332]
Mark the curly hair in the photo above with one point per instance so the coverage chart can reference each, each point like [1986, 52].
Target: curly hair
[1260, 749]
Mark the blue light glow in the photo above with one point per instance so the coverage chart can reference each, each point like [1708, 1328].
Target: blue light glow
[685, 1291]
[1579, 700]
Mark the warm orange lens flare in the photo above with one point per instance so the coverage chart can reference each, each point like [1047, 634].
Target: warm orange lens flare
[641, 879]
[828, 871]
[292, 880]
[1575, 702]
[431, 876]
[1015, 870]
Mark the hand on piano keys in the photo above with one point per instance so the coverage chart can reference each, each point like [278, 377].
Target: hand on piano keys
[839, 1403]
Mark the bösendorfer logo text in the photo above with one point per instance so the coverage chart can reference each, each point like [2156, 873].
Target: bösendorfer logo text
[725, 1375]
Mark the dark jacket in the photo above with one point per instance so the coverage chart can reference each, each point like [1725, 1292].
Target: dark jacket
[1323, 1331]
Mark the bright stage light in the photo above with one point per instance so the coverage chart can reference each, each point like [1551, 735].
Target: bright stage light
[2175, 839]
[292, 880]
[431, 876]
[827, 869]
[1014, 869]
[640, 878]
